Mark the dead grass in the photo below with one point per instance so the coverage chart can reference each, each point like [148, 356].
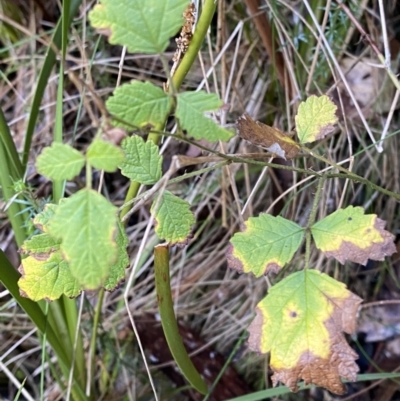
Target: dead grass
[213, 301]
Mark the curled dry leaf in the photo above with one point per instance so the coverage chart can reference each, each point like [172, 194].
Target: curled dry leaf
[301, 322]
[267, 137]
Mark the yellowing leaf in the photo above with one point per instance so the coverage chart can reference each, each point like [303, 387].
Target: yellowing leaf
[315, 118]
[117, 271]
[301, 322]
[173, 217]
[141, 26]
[266, 245]
[41, 220]
[139, 104]
[40, 246]
[349, 234]
[268, 137]
[86, 223]
[190, 112]
[44, 273]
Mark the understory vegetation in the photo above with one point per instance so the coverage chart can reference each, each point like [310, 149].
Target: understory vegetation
[199, 200]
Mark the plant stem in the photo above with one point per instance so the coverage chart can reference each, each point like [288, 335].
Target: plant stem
[58, 186]
[317, 197]
[311, 220]
[204, 22]
[17, 219]
[93, 340]
[9, 146]
[168, 319]
[186, 63]
[44, 75]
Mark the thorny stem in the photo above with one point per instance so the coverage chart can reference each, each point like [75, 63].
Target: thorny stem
[346, 173]
[311, 220]
[244, 159]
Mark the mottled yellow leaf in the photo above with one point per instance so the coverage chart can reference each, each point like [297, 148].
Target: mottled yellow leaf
[301, 323]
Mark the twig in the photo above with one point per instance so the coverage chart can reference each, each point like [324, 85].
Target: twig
[373, 45]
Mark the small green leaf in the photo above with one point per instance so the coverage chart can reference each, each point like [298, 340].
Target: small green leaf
[139, 104]
[190, 112]
[141, 26]
[267, 244]
[87, 223]
[60, 162]
[174, 218]
[349, 234]
[301, 323]
[315, 118]
[117, 271]
[41, 220]
[142, 161]
[104, 155]
[44, 273]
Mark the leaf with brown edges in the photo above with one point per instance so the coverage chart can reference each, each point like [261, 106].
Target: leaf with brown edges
[301, 323]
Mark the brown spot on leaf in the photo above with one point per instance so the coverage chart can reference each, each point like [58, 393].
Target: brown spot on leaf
[104, 31]
[267, 137]
[236, 264]
[376, 251]
[324, 131]
[21, 269]
[233, 262]
[272, 268]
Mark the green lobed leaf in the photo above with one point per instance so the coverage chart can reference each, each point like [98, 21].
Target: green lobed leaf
[173, 217]
[141, 26]
[87, 223]
[44, 273]
[190, 110]
[349, 234]
[117, 271]
[301, 323]
[142, 161]
[266, 244]
[104, 155]
[139, 104]
[60, 162]
[315, 118]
